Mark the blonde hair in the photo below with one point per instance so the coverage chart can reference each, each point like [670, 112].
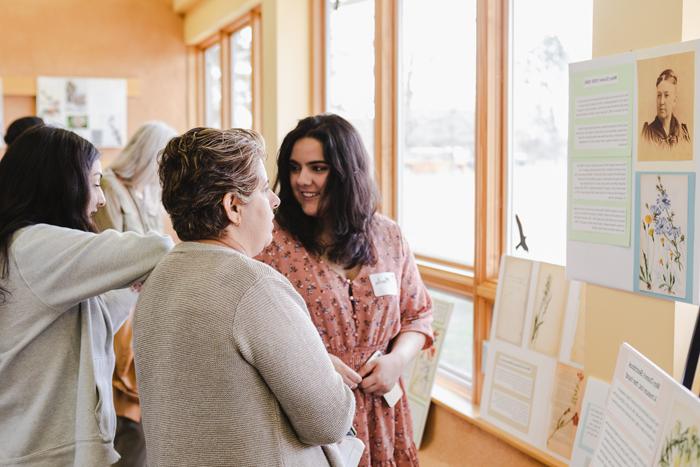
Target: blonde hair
[136, 166]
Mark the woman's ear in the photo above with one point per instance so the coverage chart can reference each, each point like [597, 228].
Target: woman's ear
[232, 207]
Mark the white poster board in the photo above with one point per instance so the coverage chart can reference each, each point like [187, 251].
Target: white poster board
[94, 108]
[650, 419]
[419, 377]
[632, 195]
[534, 380]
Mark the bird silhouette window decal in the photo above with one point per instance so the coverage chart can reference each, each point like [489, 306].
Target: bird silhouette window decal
[522, 235]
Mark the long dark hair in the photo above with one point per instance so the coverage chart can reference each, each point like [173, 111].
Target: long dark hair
[349, 199]
[44, 178]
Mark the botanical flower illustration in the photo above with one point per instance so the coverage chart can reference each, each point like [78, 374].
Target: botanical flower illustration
[542, 308]
[570, 415]
[663, 245]
[681, 447]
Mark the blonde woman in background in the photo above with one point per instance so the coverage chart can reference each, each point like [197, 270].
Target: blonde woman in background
[132, 194]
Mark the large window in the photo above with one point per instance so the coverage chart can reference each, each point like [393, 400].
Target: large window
[350, 64]
[212, 86]
[470, 107]
[456, 358]
[541, 51]
[242, 78]
[436, 128]
[230, 66]
[403, 72]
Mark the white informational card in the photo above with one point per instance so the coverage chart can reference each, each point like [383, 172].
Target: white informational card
[534, 381]
[516, 391]
[94, 108]
[420, 375]
[650, 419]
[633, 164]
[591, 422]
[601, 114]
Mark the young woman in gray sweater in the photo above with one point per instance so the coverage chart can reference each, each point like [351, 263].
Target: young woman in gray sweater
[64, 291]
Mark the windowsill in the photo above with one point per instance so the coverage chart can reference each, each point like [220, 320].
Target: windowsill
[450, 279]
[462, 407]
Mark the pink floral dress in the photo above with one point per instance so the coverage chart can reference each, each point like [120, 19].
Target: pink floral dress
[357, 317]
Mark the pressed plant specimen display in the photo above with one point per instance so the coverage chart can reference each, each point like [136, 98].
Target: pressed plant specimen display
[566, 406]
[681, 447]
[663, 236]
[542, 308]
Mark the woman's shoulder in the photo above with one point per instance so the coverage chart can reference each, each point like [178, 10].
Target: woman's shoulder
[282, 242]
[386, 228]
[45, 232]
[380, 220]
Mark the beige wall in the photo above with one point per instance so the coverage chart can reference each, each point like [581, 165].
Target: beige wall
[623, 25]
[137, 39]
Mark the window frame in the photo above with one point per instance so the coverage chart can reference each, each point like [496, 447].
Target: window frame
[223, 38]
[477, 283]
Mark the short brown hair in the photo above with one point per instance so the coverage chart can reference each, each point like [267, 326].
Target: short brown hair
[198, 168]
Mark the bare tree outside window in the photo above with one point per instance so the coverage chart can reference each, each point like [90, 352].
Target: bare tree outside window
[541, 50]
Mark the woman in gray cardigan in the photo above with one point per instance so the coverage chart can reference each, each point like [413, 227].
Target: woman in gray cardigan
[58, 305]
[230, 369]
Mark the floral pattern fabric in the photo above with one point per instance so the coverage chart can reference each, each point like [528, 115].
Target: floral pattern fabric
[354, 322]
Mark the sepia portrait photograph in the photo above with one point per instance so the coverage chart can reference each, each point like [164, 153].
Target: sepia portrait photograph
[666, 93]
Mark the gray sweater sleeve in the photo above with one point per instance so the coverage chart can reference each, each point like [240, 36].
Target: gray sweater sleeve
[63, 267]
[274, 333]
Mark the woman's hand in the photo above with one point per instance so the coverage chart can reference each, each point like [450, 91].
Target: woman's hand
[350, 376]
[386, 370]
[383, 373]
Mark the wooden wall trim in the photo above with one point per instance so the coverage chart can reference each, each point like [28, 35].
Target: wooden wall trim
[491, 138]
[385, 103]
[317, 45]
[226, 68]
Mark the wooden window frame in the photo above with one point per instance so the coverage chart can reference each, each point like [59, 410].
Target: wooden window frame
[223, 37]
[479, 282]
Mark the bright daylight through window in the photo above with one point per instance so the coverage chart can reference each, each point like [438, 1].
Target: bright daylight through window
[436, 128]
[350, 64]
[541, 50]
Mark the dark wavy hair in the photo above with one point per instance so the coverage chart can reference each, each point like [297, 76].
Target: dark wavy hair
[198, 168]
[44, 179]
[348, 202]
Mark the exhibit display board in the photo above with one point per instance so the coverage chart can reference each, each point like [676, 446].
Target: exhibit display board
[419, 376]
[643, 418]
[94, 108]
[632, 172]
[534, 380]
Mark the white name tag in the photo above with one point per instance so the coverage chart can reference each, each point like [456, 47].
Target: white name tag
[384, 283]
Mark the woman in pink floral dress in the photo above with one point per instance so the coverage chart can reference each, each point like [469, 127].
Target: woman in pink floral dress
[356, 273]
